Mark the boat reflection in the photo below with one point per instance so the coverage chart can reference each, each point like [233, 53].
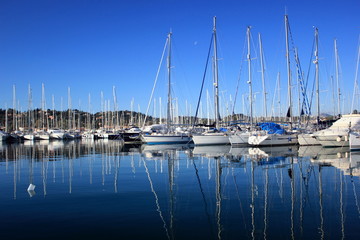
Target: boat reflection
[212, 151]
[230, 192]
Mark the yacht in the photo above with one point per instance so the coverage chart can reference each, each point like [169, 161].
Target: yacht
[211, 137]
[57, 134]
[42, 135]
[338, 134]
[271, 134]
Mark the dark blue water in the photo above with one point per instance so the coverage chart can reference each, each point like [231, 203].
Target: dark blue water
[105, 190]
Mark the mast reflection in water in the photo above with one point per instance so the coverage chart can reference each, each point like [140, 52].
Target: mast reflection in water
[105, 189]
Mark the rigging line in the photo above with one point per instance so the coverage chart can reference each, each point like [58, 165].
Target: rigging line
[238, 196]
[238, 82]
[203, 80]
[299, 70]
[203, 196]
[156, 78]
[308, 73]
[156, 199]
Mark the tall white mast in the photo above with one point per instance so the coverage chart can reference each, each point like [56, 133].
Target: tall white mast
[116, 107]
[249, 76]
[208, 106]
[160, 111]
[288, 67]
[356, 86]
[14, 123]
[89, 112]
[29, 107]
[53, 111]
[337, 75]
[43, 105]
[69, 109]
[263, 75]
[279, 95]
[168, 120]
[6, 118]
[216, 79]
[132, 112]
[61, 113]
[317, 75]
[102, 109]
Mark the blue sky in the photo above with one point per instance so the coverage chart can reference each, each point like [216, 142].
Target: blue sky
[91, 46]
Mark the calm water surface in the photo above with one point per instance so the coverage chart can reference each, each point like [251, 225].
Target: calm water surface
[103, 189]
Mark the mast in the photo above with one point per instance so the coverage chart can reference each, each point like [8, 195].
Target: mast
[279, 96]
[356, 86]
[337, 74]
[61, 113]
[69, 109]
[160, 110]
[317, 76]
[116, 107]
[102, 109]
[216, 79]
[249, 79]
[29, 107]
[208, 107]
[14, 123]
[89, 112]
[168, 120]
[288, 68]
[263, 75]
[42, 106]
[53, 111]
[6, 118]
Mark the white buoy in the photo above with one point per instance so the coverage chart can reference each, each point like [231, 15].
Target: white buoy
[31, 187]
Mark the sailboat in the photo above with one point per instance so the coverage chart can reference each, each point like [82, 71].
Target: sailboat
[242, 137]
[309, 138]
[42, 134]
[168, 135]
[277, 136]
[213, 137]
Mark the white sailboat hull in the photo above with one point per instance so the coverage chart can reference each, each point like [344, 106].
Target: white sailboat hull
[307, 139]
[42, 137]
[29, 137]
[165, 139]
[211, 139]
[273, 140]
[239, 138]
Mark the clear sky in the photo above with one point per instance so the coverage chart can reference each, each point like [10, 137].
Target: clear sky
[93, 45]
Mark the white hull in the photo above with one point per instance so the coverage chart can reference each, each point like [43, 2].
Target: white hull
[56, 134]
[354, 141]
[165, 139]
[307, 139]
[239, 138]
[211, 139]
[103, 135]
[42, 137]
[28, 137]
[273, 140]
[333, 140]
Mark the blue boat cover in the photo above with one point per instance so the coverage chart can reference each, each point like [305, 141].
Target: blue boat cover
[271, 128]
